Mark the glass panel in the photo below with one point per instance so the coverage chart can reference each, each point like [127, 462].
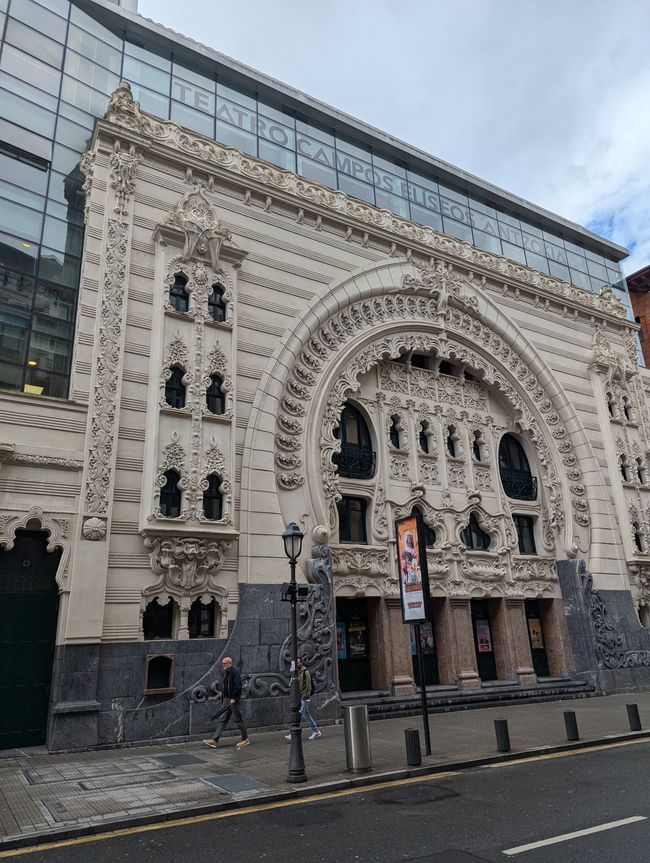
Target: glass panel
[454, 210]
[77, 116]
[559, 270]
[59, 267]
[94, 49]
[317, 172]
[236, 115]
[27, 114]
[148, 76]
[91, 26]
[277, 155]
[453, 194]
[11, 377]
[597, 270]
[204, 79]
[52, 327]
[422, 180]
[356, 149]
[393, 203]
[90, 73]
[515, 253]
[140, 53]
[203, 123]
[537, 262]
[485, 223]
[153, 103]
[42, 382]
[594, 256]
[61, 7]
[18, 254]
[316, 150]
[426, 217]
[200, 98]
[30, 70]
[34, 43]
[233, 137]
[277, 133]
[424, 197]
[20, 196]
[13, 337]
[83, 97]
[16, 290]
[276, 112]
[76, 137]
[556, 253]
[579, 278]
[64, 160]
[487, 241]
[39, 18]
[534, 244]
[356, 189]
[480, 207]
[236, 95]
[21, 220]
[62, 235]
[509, 219]
[315, 130]
[577, 261]
[353, 167]
[457, 229]
[21, 88]
[51, 354]
[387, 164]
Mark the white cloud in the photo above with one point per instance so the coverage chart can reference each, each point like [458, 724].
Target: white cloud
[546, 98]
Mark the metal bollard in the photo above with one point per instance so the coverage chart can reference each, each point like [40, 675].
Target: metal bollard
[633, 717]
[357, 738]
[571, 725]
[413, 751]
[503, 736]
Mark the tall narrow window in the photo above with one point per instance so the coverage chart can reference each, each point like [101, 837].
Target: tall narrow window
[158, 619]
[446, 368]
[425, 436]
[394, 431]
[200, 619]
[215, 397]
[170, 495]
[516, 478]
[216, 304]
[638, 537]
[641, 471]
[612, 407]
[352, 520]
[473, 536]
[452, 441]
[477, 446]
[357, 458]
[525, 534]
[627, 409]
[625, 468]
[175, 388]
[178, 296]
[213, 499]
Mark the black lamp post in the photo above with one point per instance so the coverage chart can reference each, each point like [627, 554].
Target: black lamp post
[293, 537]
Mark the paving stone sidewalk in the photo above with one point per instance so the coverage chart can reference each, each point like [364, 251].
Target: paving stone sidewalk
[45, 795]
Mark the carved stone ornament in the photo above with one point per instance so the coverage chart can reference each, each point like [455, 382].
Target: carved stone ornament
[186, 567]
[56, 528]
[215, 464]
[125, 112]
[362, 568]
[94, 529]
[173, 458]
[121, 173]
[177, 354]
[204, 232]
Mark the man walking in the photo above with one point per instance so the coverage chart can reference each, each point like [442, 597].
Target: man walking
[304, 682]
[232, 690]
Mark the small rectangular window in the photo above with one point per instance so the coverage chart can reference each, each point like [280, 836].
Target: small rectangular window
[525, 534]
[352, 520]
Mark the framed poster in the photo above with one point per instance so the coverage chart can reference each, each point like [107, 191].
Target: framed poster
[412, 566]
[357, 640]
[341, 641]
[535, 632]
[483, 637]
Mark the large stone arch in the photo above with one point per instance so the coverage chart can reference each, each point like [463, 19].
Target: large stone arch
[373, 314]
[57, 529]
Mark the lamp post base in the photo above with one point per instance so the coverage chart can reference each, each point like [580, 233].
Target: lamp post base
[296, 761]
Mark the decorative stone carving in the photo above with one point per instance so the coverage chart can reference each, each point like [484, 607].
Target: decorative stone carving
[94, 529]
[482, 478]
[57, 529]
[215, 463]
[428, 466]
[87, 168]
[456, 473]
[380, 520]
[121, 174]
[187, 567]
[534, 570]
[399, 467]
[204, 232]
[173, 458]
[177, 354]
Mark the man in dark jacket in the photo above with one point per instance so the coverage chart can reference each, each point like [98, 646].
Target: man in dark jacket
[232, 691]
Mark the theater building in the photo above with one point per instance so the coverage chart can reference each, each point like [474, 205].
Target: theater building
[226, 307]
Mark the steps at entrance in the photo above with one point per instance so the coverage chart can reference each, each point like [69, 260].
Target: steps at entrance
[443, 699]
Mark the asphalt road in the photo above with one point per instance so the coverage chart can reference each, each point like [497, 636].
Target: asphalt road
[471, 816]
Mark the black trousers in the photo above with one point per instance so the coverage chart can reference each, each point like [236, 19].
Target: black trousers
[224, 719]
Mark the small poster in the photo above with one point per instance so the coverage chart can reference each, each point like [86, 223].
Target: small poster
[483, 637]
[535, 632]
[341, 642]
[412, 570]
[357, 636]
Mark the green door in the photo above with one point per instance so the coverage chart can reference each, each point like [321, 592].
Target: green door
[29, 603]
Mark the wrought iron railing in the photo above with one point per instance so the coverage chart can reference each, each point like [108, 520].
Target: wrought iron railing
[355, 461]
[518, 484]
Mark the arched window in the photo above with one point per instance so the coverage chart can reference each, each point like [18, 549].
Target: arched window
[200, 619]
[158, 619]
[357, 458]
[627, 409]
[178, 296]
[625, 468]
[638, 537]
[477, 446]
[215, 397]
[473, 536]
[216, 304]
[213, 499]
[419, 361]
[612, 407]
[446, 368]
[394, 431]
[429, 532]
[452, 441]
[352, 520]
[170, 495]
[516, 478]
[425, 436]
[175, 388]
[641, 471]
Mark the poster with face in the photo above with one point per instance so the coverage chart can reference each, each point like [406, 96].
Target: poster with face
[483, 637]
[412, 570]
[535, 631]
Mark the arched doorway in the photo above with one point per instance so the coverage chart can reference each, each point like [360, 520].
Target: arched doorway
[29, 604]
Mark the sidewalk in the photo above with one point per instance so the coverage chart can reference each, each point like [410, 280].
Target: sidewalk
[46, 796]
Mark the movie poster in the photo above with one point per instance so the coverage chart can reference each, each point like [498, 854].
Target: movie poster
[358, 640]
[341, 642]
[412, 570]
[535, 631]
[483, 637]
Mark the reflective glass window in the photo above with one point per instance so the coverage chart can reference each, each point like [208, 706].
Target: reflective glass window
[20, 196]
[510, 234]
[317, 172]
[236, 115]
[191, 119]
[534, 244]
[72, 135]
[354, 167]
[16, 289]
[62, 235]
[11, 376]
[61, 7]
[4, 5]
[276, 112]
[18, 253]
[20, 220]
[577, 261]
[556, 253]
[149, 57]
[559, 271]
[422, 180]
[537, 262]
[514, 253]
[87, 45]
[577, 277]
[231, 94]
[484, 223]
[148, 76]
[480, 207]
[276, 132]
[387, 164]
[487, 241]
[357, 189]
[457, 229]
[316, 150]
[150, 101]
[20, 88]
[195, 97]
[397, 205]
[28, 115]
[314, 130]
[31, 70]
[81, 118]
[394, 184]
[58, 267]
[34, 43]
[277, 155]
[39, 18]
[52, 326]
[21, 173]
[355, 149]
[574, 247]
[42, 382]
[596, 257]
[453, 194]
[597, 270]
[596, 284]
[90, 25]
[205, 81]
[52, 354]
[90, 73]
[426, 217]
[64, 160]
[83, 97]
[454, 210]
[231, 136]
[13, 337]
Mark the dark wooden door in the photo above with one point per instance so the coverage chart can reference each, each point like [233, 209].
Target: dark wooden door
[483, 641]
[536, 636]
[29, 603]
[353, 645]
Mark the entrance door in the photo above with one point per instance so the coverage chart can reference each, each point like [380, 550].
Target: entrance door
[536, 636]
[487, 667]
[29, 604]
[430, 660]
[353, 644]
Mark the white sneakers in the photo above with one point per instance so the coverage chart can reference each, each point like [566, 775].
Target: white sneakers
[315, 735]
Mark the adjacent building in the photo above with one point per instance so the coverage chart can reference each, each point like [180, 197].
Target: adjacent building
[225, 307]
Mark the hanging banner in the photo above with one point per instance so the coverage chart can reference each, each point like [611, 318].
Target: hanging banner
[412, 565]
[483, 637]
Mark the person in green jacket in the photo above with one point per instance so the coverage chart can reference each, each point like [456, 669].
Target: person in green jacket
[304, 681]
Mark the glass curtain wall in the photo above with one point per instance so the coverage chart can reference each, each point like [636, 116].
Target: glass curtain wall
[58, 67]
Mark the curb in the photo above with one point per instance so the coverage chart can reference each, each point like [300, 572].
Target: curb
[321, 788]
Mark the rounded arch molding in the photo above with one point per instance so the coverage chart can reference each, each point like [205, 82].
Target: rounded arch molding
[56, 527]
[375, 314]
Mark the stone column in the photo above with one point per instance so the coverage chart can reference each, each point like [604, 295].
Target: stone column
[396, 647]
[556, 637]
[446, 652]
[517, 649]
[465, 654]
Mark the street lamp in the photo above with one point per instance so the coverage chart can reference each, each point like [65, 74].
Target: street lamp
[293, 538]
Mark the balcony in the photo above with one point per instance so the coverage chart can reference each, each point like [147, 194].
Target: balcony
[355, 461]
[518, 484]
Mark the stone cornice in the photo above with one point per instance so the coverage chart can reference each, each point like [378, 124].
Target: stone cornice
[124, 113]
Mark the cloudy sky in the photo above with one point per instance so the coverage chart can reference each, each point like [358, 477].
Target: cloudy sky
[549, 99]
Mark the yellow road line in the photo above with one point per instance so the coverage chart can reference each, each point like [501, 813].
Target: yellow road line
[568, 753]
[216, 816]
